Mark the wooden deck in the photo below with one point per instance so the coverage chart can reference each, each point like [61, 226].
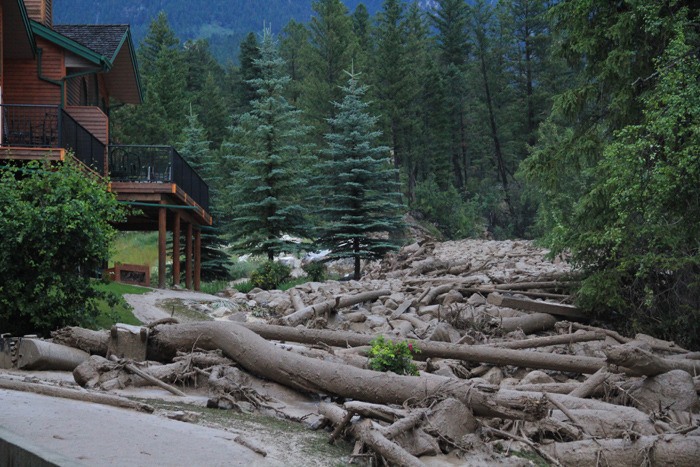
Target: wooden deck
[153, 194]
[32, 154]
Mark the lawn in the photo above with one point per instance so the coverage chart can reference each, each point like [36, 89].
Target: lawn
[120, 312]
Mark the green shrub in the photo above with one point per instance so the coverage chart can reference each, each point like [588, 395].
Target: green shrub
[316, 271]
[385, 355]
[55, 231]
[242, 269]
[270, 275]
[244, 287]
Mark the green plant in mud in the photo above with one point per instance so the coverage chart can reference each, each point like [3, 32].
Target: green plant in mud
[386, 355]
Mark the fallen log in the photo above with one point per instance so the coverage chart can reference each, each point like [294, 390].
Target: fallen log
[364, 431]
[164, 349]
[155, 381]
[308, 312]
[259, 357]
[92, 342]
[578, 336]
[556, 309]
[591, 384]
[80, 395]
[36, 354]
[672, 449]
[529, 324]
[640, 362]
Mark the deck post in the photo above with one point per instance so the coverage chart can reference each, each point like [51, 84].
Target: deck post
[197, 259]
[188, 257]
[162, 218]
[176, 249]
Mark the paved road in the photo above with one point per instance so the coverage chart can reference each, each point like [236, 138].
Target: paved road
[81, 433]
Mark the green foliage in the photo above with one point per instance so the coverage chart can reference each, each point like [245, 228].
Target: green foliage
[359, 187]
[244, 287]
[454, 217]
[270, 162]
[114, 308]
[214, 287]
[55, 232]
[316, 271]
[270, 275]
[385, 355]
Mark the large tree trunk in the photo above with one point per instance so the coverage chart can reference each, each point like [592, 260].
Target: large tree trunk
[676, 450]
[259, 357]
[163, 349]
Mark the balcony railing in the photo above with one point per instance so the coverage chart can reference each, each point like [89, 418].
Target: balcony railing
[49, 126]
[153, 164]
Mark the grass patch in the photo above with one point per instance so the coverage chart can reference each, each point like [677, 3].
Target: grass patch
[293, 283]
[214, 287]
[135, 248]
[119, 311]
[244, 287]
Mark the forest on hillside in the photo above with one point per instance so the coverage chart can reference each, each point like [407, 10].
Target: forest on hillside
[573, 122]
[224, 23]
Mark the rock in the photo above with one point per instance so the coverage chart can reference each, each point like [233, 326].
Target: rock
[537, 377]
[418, 443]
[443, 332]
[451, 419]
[476, 299]
[238, 317]
[494, 376]
[674, 390]
[453, 296]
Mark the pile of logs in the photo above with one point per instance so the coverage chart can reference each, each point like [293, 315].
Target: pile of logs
[507, 364]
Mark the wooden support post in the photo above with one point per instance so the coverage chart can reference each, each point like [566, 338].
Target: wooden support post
[176, 249]
[162, 217]
[197, 259]
[188, 257]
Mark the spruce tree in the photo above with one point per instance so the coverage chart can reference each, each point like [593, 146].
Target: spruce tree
[194, 147]
[362, 208]
[270, 161]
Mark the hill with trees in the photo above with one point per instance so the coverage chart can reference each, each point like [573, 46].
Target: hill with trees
[223, 22]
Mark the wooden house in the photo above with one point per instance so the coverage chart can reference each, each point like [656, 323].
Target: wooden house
[57, 85]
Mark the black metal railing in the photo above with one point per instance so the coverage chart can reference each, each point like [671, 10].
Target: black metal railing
[49, 126]
[86, 148]
[30, 126]
[154, 164]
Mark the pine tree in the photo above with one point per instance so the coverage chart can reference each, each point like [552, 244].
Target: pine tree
[359, 184]
[194, 147]
[248, 55]
[332, 47]
[267, 187]
[161, 117]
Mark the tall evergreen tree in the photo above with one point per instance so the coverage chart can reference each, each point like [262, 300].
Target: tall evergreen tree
[159, 120]
[248, 71]
[267, 189]
[195, 148]
[362, 199]
[450, 20]
[332, 48]
[294, 49]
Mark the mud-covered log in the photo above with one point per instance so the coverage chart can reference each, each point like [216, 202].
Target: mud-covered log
[671, 449]
[36, 354]
[308, 312]
[638, 361]
[530, 323]
[260, 357]
[475, 353]
[556, 309]
[92, 342]
[73, 394]
[373, 438]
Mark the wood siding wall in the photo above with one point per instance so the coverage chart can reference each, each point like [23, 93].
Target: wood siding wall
[94, 121]
[40, 11]
[21, 80]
